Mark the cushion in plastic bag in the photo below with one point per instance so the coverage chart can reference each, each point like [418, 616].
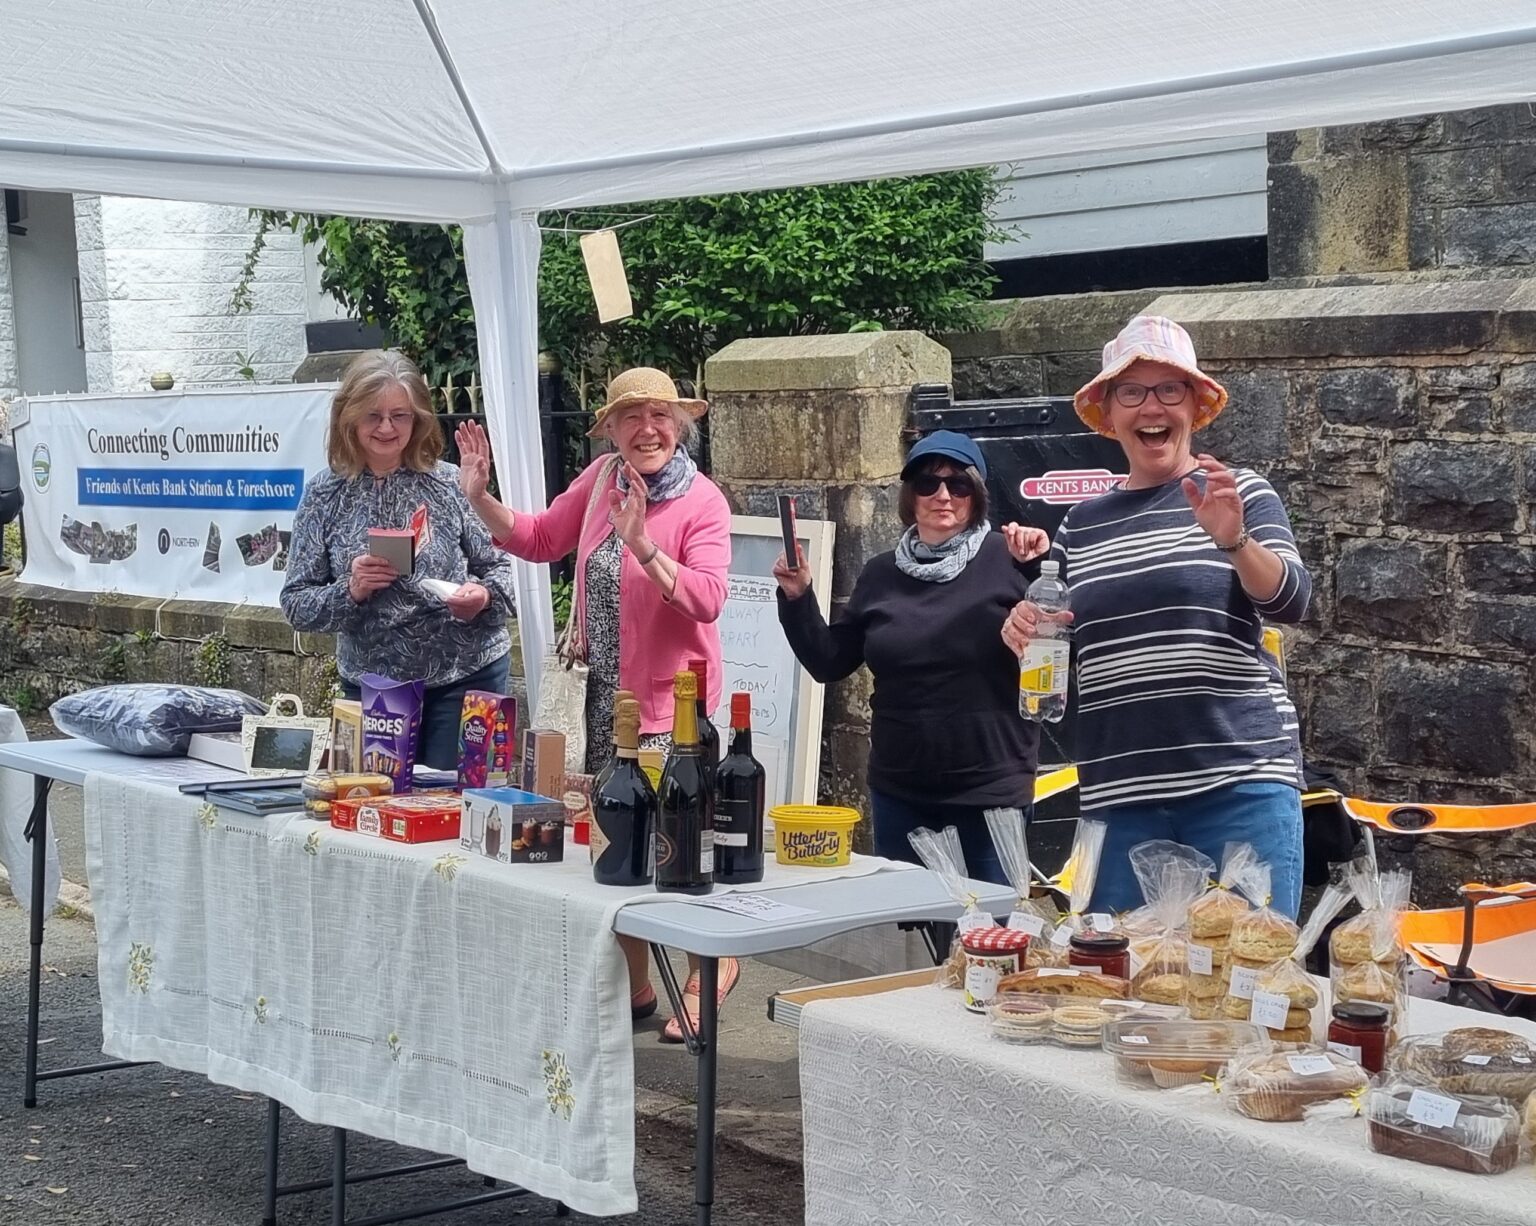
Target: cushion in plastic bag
[151, 721]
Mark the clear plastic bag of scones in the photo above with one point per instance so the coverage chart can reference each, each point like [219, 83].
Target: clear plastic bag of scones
[1210, 932]
[1284, 993]
[1172, 877]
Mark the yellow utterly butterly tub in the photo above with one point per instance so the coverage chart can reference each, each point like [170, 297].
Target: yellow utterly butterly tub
[816, 836]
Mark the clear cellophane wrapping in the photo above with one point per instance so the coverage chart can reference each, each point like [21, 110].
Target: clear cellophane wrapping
[1259, 936]
[1007, 827]
[1210, 931]
[1365, 952]
[1288, 976]
[940, 852]
[1172, 877]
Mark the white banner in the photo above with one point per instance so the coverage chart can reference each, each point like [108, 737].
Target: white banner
[185, 494]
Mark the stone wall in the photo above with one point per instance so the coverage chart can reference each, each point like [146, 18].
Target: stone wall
[821, 417]
[1445, 191]
[155, 284]
[54, 643]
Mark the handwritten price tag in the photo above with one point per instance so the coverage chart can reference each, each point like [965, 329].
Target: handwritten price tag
[1432, 1110]
[1027, 921]
[1269, 1009]
[1309, 1066]
[1102, 922]
[1062, 937]
[1243, 979]
[1201, 960]
[1476, 1059]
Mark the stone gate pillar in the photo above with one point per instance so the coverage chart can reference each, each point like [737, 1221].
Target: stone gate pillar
[821, 417]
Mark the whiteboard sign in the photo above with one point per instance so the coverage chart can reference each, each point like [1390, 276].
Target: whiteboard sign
[786, 700]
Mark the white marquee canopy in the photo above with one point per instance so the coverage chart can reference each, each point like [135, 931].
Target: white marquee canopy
[486, 111]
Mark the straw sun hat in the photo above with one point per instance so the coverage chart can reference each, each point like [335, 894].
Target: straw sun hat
[642, 385]
[1150, 338]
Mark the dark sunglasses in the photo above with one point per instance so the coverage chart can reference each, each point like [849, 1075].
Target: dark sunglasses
[959, 485]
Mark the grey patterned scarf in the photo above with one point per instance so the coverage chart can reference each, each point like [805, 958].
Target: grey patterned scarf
[939, 563]
[671, 482]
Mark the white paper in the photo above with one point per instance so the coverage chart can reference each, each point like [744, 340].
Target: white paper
[1140, 1040]
[1521, 1059]
[1309, 1066]
[440, 588]
[754, 906]
[1062, 937]
[1027, 921]
[981, 980]
[1347, 1050]
[1201, 960]
[972, 920]
[1068, 971]
[1269, 1009]
[1102, 922]
[1476, 1059]
[1243, 979]
[1432, 1110]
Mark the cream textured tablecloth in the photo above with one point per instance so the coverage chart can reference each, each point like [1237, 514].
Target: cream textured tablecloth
[416, 993]
[913, 1114]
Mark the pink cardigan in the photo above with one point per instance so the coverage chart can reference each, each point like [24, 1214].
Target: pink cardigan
[657, 637]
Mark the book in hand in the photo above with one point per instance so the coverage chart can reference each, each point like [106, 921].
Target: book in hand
[397, 546]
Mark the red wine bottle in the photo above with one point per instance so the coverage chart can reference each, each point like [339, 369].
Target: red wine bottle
[709, 735]
[740, 794]
[624, 808]
[685, 830]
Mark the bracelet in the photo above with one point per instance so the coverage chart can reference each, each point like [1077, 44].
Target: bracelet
[655, 549]
[1242, 539]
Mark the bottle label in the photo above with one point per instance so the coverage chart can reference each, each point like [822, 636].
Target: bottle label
[725, 839]
[1043, 668]
[707, 852]
[666, 851]
[597, 840]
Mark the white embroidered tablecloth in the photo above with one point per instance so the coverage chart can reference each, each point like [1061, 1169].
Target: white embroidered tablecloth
[15, 809]
[416, 993]
[914, 1115]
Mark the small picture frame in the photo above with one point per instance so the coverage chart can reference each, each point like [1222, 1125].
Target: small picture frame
[277, 744]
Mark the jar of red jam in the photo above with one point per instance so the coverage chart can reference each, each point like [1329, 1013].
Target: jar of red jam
[1101, 951]
[1359, 1031]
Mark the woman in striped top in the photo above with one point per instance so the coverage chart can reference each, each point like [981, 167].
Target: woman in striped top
[1185, 730]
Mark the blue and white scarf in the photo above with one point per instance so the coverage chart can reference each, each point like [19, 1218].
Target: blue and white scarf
[942, 562]
[671, 482]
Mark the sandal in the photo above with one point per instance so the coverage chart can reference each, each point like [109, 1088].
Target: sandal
[730, 972]
[642, 1003]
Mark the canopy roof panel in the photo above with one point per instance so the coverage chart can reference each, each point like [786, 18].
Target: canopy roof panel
[438, 108]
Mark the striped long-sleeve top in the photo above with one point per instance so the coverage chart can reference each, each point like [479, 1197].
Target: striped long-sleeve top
[1175, 694]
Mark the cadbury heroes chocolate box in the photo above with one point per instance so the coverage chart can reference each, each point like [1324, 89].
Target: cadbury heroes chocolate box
[391, 726]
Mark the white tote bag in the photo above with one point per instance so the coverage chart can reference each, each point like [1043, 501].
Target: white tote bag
[563, 673]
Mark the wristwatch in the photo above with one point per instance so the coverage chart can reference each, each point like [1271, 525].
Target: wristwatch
[1242, 539]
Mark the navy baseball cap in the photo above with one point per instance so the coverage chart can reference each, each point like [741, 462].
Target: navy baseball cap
[950, 444]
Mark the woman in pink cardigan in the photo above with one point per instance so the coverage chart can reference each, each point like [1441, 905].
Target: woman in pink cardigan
[650, 576]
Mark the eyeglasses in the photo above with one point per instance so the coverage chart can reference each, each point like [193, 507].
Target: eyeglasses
[1169, 393]
[959, 485]
[400, 421]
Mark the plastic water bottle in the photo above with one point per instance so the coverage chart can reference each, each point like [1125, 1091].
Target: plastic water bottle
[1044, 666]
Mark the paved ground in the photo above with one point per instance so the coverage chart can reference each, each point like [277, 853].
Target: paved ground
[152, 1145]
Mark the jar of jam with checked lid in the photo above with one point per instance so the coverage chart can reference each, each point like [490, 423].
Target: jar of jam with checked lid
[990, 953]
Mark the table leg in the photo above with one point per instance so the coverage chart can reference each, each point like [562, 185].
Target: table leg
[37, 831]
[338, 1177]
[269, 1203]
[708, 1042]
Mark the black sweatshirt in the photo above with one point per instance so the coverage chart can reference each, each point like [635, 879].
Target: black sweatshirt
[945, 725]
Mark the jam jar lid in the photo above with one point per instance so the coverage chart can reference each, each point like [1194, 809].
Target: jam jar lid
[1361, 1011]
[1099, 942]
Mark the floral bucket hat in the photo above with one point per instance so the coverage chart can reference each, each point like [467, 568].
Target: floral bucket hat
[1150, 338]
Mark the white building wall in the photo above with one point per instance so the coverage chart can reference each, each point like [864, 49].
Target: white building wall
[1194, 191]
[156, 279]
[8, 382]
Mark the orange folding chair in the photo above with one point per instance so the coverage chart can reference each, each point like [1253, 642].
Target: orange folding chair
[1489, 942]
[1486, 947]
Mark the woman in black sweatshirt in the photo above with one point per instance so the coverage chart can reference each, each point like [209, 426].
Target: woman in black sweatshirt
[946, 739]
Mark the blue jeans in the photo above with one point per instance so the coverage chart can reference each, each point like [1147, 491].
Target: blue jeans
[438, 745]
[1265, 815]
[895, 818]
